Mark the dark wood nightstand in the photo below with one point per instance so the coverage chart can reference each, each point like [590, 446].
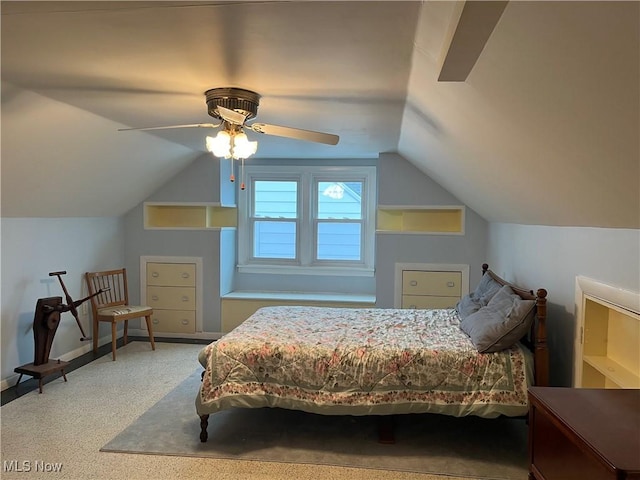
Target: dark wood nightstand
[584, 434]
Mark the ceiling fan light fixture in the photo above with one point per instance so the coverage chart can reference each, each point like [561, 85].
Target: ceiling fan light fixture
[231, 144]
[242, 147]
[220, 145]
[233, 107]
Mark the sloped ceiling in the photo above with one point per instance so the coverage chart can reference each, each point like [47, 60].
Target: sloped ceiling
[544, 130]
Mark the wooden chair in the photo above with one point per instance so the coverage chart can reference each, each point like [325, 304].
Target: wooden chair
[113, 305]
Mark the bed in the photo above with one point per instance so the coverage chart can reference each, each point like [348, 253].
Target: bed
[476, 359]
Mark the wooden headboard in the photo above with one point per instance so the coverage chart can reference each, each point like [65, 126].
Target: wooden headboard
[537, 341]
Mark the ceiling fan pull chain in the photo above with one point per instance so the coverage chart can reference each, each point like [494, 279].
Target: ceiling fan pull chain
[242, 174]
[232, 178]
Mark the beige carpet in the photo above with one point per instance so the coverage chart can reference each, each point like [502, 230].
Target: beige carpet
[70, 422]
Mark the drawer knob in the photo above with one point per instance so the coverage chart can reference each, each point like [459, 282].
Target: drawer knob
[185, 275]
[451, 284]
[155, 321]
[413, 283]
[154, 298]
[185, 298]
[185, 322]
[155, 274]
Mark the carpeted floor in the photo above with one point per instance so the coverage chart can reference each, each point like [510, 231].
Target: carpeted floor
[70, 422]
[437, 444]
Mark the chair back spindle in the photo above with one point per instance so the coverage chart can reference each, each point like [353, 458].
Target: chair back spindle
[114, 284]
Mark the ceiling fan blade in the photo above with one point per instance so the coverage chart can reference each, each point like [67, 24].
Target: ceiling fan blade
[191, 125]
[297, 133]
[231, 116]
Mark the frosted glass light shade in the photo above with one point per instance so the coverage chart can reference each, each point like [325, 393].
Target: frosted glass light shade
[220, 145]
[242, 147]
[227, 145]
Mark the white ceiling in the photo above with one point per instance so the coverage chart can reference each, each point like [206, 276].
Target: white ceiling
[543, 131]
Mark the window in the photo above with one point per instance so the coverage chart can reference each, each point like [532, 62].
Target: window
[312, 220]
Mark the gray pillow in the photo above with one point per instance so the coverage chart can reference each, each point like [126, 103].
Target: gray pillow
[501, 323]
[467, 305]
[477, 299]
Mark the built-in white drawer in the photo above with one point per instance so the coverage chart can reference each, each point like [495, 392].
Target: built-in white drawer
[428, 301]
[171, 274]
[443, 284]
[174, 321]
[171, 298]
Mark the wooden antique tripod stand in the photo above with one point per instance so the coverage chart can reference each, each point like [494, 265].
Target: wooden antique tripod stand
[45, 324]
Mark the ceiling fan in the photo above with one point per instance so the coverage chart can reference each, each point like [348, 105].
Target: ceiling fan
[235, 106]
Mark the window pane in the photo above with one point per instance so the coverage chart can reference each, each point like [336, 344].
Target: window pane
[274, 199]
[274, 240]
[340, 200]
[339, 241]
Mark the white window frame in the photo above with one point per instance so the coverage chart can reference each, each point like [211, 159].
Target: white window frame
[306, 230]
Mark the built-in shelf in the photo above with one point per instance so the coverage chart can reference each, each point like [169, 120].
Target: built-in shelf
[443, 220]
[616, 373]
[607, 337]
[189, 216]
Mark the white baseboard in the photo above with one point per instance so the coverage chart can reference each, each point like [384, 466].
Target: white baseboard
[200, 335]
[85, 348]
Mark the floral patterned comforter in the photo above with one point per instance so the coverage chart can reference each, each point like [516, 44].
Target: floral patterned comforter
[361, 362]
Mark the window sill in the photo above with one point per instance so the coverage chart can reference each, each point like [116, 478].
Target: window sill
[320, 297]
[326, 271]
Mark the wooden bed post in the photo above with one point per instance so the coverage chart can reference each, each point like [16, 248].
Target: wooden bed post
[540, 347]
[204, 419]
[204, 423]
[386, 427]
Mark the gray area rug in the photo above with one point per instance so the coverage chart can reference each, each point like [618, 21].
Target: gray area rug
[436, 444]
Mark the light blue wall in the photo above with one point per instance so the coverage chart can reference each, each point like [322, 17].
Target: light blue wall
[551, 258]
[199, 182]
[33, 247]
[400, 183]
